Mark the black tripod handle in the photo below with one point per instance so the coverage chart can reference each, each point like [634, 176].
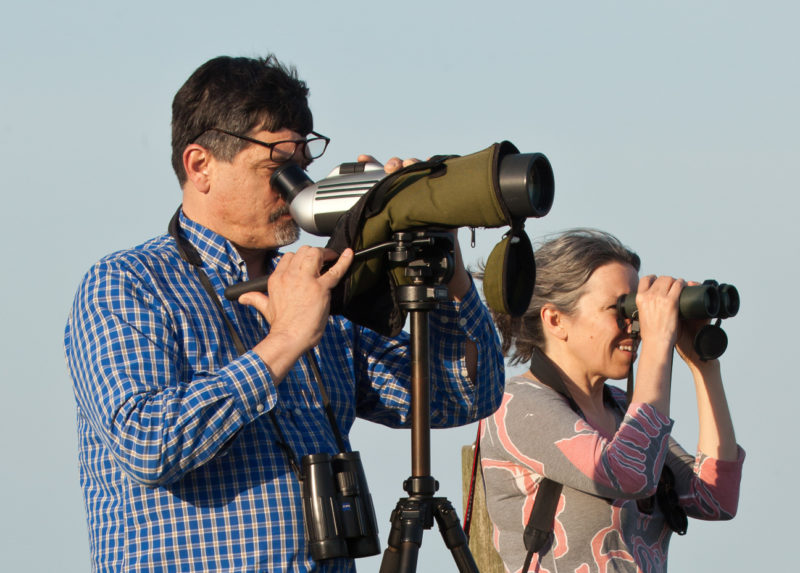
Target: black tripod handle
[233, 292]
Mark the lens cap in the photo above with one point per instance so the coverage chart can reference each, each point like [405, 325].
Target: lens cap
[710, 342]
[510, 274]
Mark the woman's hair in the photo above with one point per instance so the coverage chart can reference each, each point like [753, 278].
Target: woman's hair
[564, 263]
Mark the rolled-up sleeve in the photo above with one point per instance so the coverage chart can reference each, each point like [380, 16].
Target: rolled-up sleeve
[455, 398]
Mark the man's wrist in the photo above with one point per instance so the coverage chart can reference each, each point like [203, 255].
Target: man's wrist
[459, 285]
[279, 352]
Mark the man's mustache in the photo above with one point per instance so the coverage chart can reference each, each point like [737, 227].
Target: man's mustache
[278, 213]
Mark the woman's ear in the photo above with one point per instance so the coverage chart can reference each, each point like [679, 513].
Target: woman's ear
[196, 160]
[553, 322]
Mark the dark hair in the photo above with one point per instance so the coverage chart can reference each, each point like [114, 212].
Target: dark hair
[239, 95]
[564, 263]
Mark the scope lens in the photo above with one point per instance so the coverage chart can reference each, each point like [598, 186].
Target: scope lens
[526, 184]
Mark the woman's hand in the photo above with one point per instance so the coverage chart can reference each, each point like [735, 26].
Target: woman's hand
[685, 342]
[657, 302]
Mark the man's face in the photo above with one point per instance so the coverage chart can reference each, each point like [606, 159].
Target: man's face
[247, 211]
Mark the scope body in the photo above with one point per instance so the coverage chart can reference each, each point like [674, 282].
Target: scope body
[318, 207]
[525, 181]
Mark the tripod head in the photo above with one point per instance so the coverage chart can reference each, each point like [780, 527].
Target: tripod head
[427, 260]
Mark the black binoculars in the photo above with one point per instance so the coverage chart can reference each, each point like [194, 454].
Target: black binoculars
[337, 506]
[708, 300]
[699, 302]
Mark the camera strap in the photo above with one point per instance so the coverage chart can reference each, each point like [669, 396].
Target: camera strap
[189, 254]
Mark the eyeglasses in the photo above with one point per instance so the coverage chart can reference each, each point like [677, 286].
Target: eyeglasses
[283, 151]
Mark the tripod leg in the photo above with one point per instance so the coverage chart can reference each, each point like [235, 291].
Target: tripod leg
[409, 519]
[454, 537]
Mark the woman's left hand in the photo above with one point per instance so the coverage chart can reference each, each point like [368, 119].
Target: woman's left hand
[688, 330]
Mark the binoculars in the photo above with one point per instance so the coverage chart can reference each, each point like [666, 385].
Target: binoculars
[339, 515]
[699, 302]
[708, 300]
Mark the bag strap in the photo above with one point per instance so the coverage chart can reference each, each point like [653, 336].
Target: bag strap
[543, 513]
[473, 475]
[540, 524]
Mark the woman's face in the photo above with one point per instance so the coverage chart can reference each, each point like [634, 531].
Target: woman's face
[596, 346]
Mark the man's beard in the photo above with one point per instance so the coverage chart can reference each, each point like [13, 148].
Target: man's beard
[286, 232]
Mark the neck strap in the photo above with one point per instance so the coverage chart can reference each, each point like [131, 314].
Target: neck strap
[546, 372]
[189, 253]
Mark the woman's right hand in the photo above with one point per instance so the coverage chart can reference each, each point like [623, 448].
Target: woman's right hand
[657, 302]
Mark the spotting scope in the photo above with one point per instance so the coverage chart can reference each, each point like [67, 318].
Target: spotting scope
[525, 182]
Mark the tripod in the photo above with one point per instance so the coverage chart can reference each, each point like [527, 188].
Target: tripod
[428, 260]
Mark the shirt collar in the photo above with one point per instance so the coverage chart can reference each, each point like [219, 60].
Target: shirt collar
[214, 249]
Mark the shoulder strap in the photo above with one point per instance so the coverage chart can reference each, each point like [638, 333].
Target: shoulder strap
[546, 372]
[476, 455]
[540, 523]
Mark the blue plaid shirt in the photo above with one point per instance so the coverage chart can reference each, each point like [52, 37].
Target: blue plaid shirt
[180, 466]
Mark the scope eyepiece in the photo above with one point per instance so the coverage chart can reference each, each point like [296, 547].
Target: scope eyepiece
[289, 179]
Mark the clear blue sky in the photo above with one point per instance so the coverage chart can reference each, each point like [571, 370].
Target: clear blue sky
[673, 125]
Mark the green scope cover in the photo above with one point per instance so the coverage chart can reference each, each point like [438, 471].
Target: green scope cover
[443, 192]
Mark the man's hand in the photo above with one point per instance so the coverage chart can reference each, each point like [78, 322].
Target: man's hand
[394, 164]
[297, 305]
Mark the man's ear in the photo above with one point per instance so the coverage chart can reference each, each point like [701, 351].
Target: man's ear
[196, 160]
[553, 322]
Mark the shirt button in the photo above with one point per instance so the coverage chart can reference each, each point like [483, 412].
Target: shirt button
[260, 408]
[298, 412]
[462, 321]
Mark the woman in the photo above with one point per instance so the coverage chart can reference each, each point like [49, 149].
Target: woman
[609, 456]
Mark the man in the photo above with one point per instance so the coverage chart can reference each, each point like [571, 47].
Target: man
[192, 410]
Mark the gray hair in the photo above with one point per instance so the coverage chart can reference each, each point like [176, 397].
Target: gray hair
[564, 263]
